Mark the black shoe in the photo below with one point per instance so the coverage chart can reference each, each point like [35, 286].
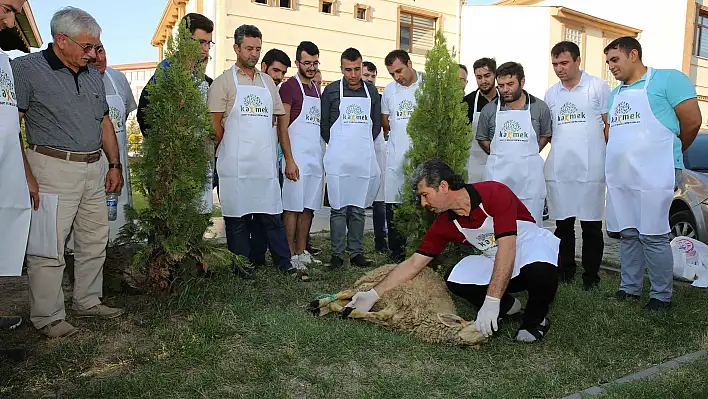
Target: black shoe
[590, 286]
[566, 277]
[621, 295]
[261, 262]
[655, 305]
[336, 262]
[14, 355]
[10, 322]
[533, 333]
[361, 261]
[312, 250]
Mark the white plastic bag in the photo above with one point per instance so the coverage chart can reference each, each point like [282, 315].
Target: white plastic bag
[43, 228]
[690, 260]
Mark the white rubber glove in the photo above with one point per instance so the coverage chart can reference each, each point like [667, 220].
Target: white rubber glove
[364, 301]
[487, 316]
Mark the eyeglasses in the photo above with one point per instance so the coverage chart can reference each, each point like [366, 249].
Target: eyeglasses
[203, 42]
[86, 47]
[310, 63]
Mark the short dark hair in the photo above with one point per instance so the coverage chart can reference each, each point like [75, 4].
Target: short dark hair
[198, 21]
[369, 66]
[434, 171]
[566, 47]
[276, 55]
[511, 68]
[625, 44]
[351, 54]
[245, 31]
[489, 63]
[464, 68]
[399, 54]
[308, 47]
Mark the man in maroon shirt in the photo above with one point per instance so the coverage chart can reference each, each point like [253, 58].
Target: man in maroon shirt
[516, 255]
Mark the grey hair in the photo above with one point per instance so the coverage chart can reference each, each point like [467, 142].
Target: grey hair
[434, 172]
[245, 31]
[73, 21]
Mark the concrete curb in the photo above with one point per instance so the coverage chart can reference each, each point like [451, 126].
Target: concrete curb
[639, 375]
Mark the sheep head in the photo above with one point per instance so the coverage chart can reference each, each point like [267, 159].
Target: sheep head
[464, 331]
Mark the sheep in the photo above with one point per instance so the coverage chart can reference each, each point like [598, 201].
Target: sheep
[421, 306]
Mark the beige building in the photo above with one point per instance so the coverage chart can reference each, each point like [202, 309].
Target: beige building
[138, 75]
[375, 27]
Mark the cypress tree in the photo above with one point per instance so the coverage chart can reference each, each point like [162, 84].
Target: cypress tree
[172, 173]
[438, 129]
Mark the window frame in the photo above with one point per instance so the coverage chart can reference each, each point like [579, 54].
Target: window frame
[293, 4]
[700, 12]
[266, 4]
[333, 4]
[606, 74]
[436, 17]
[583, 40]
[367, 12]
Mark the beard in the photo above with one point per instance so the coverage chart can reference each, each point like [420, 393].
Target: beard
[249, 62]
[306, 73]
[514, 96]
[485, 92]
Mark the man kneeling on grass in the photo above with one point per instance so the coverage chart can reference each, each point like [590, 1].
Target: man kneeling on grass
[517, 255]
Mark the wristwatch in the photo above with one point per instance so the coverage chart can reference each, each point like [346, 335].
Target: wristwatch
[115, 166]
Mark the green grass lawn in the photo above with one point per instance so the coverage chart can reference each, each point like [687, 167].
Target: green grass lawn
[227, 338]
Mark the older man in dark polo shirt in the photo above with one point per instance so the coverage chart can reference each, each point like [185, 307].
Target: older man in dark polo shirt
[64, 105]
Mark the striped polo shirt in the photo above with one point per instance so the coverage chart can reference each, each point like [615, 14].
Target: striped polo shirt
[63, 109]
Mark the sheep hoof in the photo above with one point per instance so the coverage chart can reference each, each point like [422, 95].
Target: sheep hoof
[346, 312]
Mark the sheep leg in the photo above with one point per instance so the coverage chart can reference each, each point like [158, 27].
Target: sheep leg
[380, 317]
[330, 303]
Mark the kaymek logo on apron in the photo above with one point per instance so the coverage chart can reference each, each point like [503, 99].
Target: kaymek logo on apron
[623, 115]
[313, 116]
[405, 109]
[512, 131]
[116, 117]
[7, 89]
[354, 114]
[253, 106]
[569, 113]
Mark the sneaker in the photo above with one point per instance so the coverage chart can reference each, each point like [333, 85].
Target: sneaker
[58, 329]
[655, 305]
[361, 261]
[336, 262]
[10, 322]
[98, 311]
[307, 259]
[621, 295]
[312, 250]
[533, 334]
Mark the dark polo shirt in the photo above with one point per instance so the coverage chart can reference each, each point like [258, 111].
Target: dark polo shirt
[62, 109]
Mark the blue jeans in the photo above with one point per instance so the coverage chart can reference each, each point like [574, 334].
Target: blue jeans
[639, 252]
[249, 236]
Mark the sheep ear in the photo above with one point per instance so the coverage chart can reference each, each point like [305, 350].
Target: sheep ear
[450, 320]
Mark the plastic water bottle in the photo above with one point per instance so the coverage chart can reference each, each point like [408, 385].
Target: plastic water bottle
[112, 204]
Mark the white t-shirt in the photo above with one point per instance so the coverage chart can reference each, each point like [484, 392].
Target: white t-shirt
[393, 88]
[599, 93]
[123, 88]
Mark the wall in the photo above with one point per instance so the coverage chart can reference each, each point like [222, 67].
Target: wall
[699, 76]
[285, 29]
[137, 74]
[662, 23]
[506, 34]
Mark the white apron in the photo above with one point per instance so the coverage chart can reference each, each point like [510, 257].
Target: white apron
[514, 159]
[118, 116]
[15, 205]
[398, 143]
[575, 169]
[380, 151]
[353, 175]
[247, 162]
[533, 244]
[639, 166]
[477, 159]
[308, 150]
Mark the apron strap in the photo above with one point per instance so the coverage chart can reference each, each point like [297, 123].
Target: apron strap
[476, 98]
[646, 83]
[302, 88]
[113, 83]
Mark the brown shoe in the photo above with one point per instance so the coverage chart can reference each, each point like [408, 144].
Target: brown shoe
[58, 329]
[99, 311]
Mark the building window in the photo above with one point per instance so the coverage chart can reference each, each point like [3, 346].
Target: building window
[264, 2]
[286, 4]
[417, 33]
[574, 35]
[361, 12]
[327, 7]
[701, 45]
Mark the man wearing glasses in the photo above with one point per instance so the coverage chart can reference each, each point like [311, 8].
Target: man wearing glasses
[63, 102]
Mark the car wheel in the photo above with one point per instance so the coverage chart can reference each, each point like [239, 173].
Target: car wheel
[682, 224]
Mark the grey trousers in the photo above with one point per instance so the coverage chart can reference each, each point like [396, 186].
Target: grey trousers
[353, 231]
[637, 252]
